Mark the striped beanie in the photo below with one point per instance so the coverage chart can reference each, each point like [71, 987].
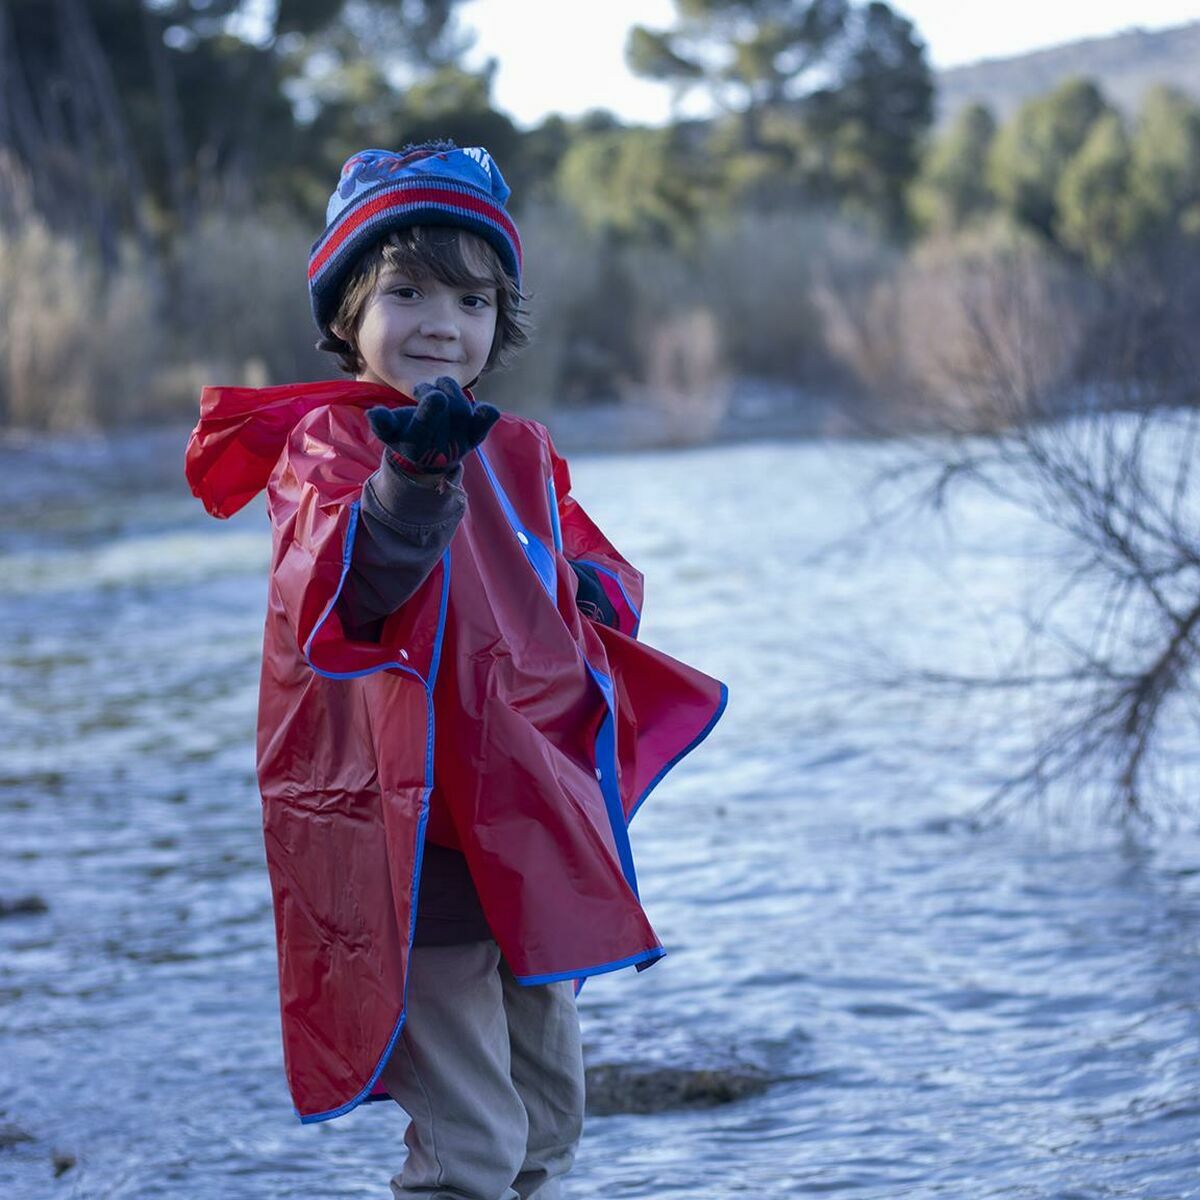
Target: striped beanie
[435, 183]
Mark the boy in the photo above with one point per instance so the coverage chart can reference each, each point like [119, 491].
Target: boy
[456, 721]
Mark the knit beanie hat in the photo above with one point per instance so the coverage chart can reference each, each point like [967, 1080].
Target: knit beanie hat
[434, 183]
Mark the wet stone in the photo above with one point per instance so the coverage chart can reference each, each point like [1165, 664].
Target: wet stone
[62, 1163]
[632, 1088]
[12, 1135]
[23, 906]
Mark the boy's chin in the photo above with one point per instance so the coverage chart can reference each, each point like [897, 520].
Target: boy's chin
[431, 373]
[406, 385]
[407, 382]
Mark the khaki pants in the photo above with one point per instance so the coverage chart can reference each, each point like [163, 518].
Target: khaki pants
[491, 1074]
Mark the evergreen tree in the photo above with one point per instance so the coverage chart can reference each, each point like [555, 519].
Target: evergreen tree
[1032, 150]
[876, 114]
[1093, 194]
[635, 183]
[128, 115]
[827, 99]
[749, 55]
[951, 189]
[1165, 168]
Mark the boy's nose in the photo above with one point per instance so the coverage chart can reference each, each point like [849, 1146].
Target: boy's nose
[439, 321]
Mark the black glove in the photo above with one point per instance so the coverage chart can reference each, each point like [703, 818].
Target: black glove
[591, 599]
[431, 437]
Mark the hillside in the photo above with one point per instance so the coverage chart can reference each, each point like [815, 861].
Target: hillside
[1125, 65]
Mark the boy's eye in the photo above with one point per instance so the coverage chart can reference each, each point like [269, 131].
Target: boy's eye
[404, 291]
[474, 301]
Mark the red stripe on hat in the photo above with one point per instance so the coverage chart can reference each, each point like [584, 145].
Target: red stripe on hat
[414, 195]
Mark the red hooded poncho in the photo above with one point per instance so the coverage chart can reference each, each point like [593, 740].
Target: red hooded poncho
[541, 731]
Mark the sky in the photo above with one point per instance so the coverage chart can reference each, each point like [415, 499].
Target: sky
[569, 57]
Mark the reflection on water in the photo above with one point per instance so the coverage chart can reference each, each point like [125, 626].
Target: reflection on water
[946, 1010]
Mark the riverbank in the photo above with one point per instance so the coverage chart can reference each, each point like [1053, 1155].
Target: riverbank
[37, 468]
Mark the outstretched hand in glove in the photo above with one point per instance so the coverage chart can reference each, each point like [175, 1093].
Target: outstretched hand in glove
[433, 436]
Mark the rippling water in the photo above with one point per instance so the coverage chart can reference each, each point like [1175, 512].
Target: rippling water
[948, 1009]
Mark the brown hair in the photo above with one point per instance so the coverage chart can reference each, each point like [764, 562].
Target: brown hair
[453, 256]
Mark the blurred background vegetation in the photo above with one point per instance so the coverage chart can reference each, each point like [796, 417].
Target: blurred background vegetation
[833, 244]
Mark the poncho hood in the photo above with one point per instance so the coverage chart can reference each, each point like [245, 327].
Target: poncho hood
[242, 432]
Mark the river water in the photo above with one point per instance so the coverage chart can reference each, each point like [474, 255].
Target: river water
[945, 1007]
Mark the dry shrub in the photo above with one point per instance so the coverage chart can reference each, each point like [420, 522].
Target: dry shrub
[78, 347]
[969, 333]
[853, 290]
[685, 381]
[992, 327]
[759, 274]
[81, 347]
[1144, 340]
[239, 303]
[613, 324]
[677, 363]
[973, 332]
[563, 269]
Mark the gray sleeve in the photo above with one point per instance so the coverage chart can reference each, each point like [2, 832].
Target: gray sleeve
[404, 527]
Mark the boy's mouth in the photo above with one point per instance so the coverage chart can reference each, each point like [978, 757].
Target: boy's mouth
[431, 358]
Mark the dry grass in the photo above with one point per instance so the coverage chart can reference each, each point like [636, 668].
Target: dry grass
[85, 348]
[963, 334]
[760, 276]
[77, 348]
[617, 324]
[563, 277]
[238, 303]
[953, 334]
[991, 327]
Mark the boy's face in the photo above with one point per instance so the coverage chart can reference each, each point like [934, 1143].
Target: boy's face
[412, 331]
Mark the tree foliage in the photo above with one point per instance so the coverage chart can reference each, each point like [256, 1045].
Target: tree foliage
[749, 54]
[1164, 178]
[825, 99]
[129, 116]
[876, 113]
[951, 188]
[635, 183]
[1032, 150]
[1092, 198]
[1073, 169]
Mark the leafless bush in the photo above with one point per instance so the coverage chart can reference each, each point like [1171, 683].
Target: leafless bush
[992, 329]
[78, 347]
[238, 303]
[81, 346]
[759, 276]
[1146, 325]
[563, 281]
[685, 381]
[677, 368]
[1114, 634]
[969, 334]
[614, 324]
[855, 293]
